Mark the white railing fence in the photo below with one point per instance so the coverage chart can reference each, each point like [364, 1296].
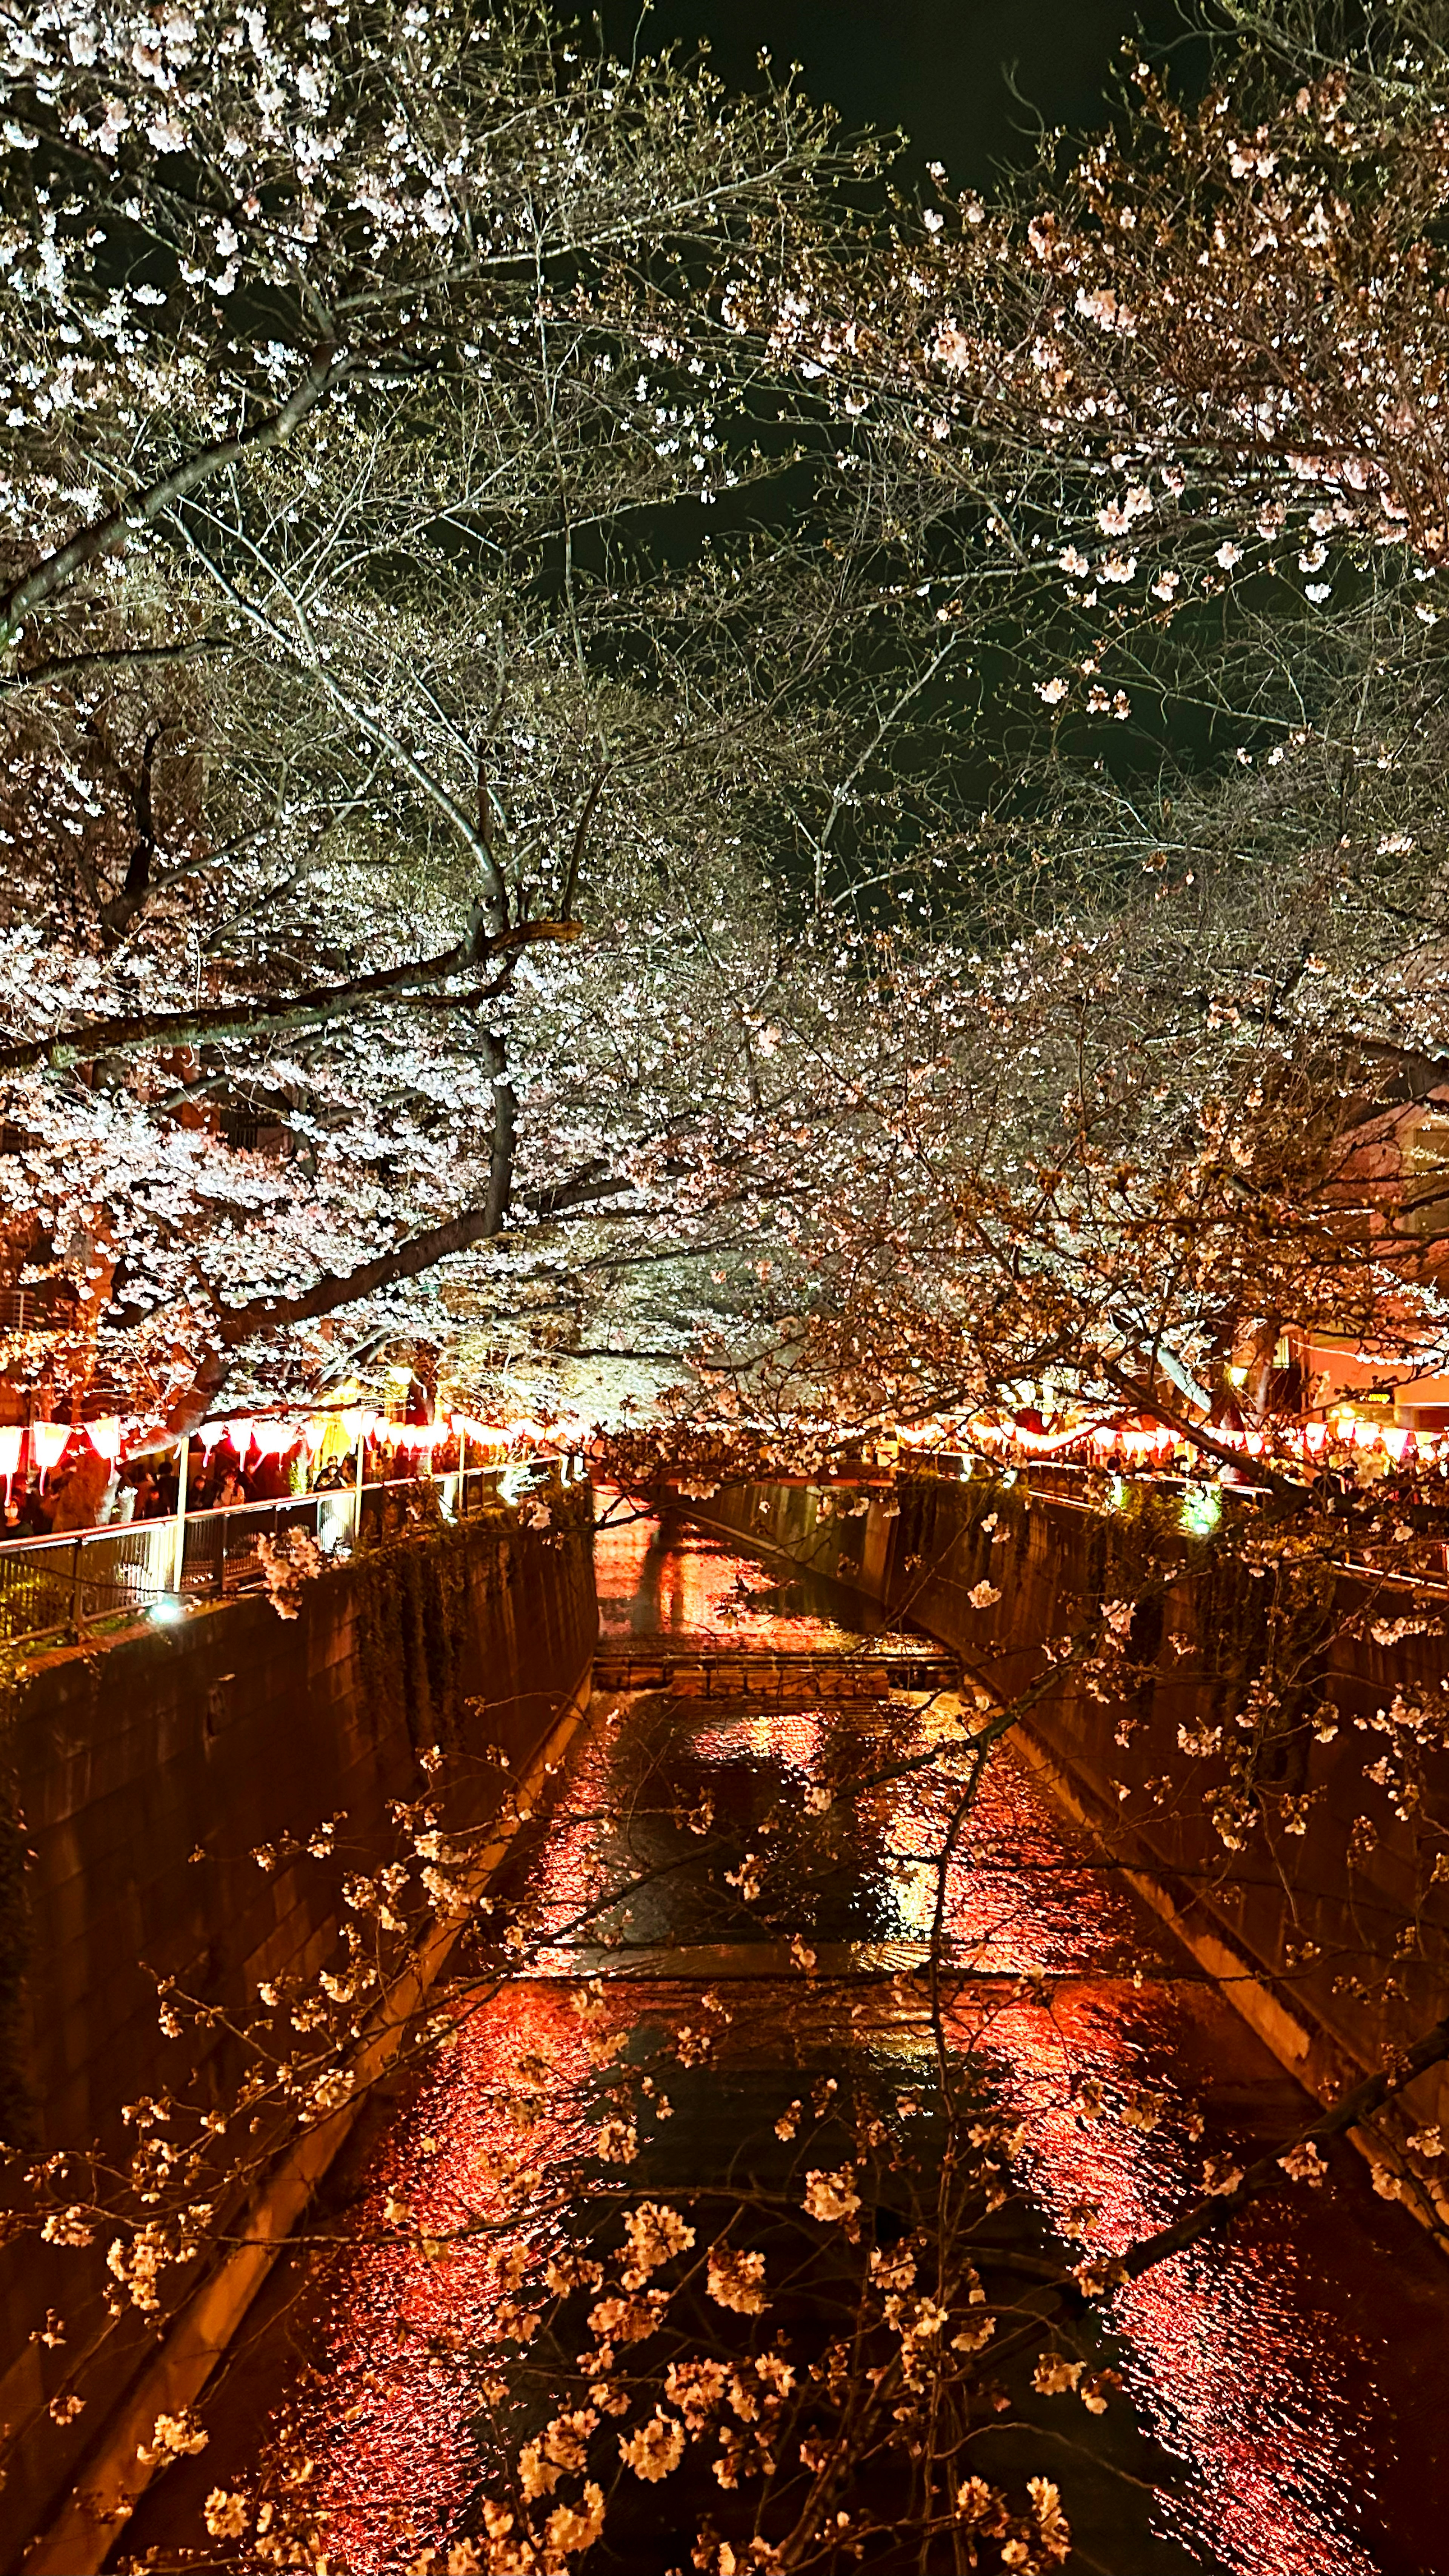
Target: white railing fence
[155, 1567]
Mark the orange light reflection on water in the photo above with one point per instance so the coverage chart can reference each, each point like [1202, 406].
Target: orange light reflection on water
[406, 2337]
[1223, 2350]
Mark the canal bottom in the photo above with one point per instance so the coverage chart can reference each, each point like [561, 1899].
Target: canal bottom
[747, 1922]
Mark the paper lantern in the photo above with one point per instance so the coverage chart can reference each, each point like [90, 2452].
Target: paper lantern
[1396, 1442]
[211, 1436]
[1315, 1437]
[47, 1442]
[105, 1437]
[11, 1435]
[273, 1438]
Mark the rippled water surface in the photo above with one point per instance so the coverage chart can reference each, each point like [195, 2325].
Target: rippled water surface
[1284, 2378]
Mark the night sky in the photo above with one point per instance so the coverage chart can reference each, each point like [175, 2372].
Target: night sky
[938, 68]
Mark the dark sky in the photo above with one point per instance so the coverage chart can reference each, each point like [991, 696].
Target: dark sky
[938, 68]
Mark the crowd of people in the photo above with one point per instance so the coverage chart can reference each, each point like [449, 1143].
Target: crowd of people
[85, 1491]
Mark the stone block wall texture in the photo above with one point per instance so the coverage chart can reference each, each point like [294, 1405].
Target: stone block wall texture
[141, 1775]
[1381, 1974]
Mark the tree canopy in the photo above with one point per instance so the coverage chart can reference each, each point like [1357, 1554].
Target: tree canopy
[613, 730]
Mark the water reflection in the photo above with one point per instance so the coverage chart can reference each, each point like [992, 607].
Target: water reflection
[670, 1580]
[1260, 2364]
[1245, 2376]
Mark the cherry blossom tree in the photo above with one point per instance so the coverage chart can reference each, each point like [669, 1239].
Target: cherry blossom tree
[402, 724]
[1159, 427]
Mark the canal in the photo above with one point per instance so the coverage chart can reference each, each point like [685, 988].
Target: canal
[759, 1956]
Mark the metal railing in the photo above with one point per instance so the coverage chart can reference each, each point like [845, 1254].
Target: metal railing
[64, 1586]
[1097, 1490]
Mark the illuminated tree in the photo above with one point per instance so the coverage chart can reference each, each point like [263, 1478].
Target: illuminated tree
[370, 414]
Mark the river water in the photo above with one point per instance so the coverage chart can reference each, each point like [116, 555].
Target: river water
[1281, 2411]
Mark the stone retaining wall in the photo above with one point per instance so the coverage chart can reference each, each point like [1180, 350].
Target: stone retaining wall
[144, 1775]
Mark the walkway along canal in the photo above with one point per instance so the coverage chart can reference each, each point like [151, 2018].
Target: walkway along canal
[725, 2231]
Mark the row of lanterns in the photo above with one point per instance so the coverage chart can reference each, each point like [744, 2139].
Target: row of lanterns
[1141, 1443]
[269, 1436]
[48, 1442]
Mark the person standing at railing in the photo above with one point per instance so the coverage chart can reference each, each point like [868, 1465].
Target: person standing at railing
[33, 1518]
[230, 1492]
[79, 1492]
[222, 1468]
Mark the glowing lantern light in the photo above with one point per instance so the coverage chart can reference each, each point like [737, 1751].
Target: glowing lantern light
[1315, 1437]
[417, 1435]
[211, 1436]
[47, 1441]
[11, 1436]
[105, 1437]
[273, 1438]
[1396, 1442]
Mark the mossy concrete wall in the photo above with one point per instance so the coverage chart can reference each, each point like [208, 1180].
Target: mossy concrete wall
[144, 1775]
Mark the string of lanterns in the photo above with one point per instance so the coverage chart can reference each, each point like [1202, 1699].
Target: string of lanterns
[271, 1436]
[1146, 1442]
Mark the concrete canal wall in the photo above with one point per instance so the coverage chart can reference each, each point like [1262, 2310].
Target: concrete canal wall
[140, 1778]
[1334, 1959]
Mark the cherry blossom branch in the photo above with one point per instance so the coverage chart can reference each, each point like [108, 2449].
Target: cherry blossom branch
[312, 1008]
[367, 719]
[1283, 1489]
[115, 657]
[1274, 2171]
[1279, 2170]
[330, 366]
